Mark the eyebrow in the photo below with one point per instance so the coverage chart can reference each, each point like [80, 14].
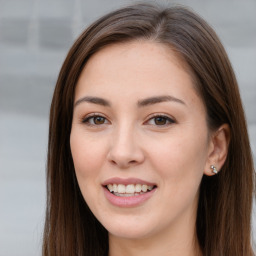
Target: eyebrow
[94, 100]
[141, 103]
[159, 99]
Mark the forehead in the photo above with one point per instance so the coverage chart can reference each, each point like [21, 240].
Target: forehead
[136, 69]
[139, 52]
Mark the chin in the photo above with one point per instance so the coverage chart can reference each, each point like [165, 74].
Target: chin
[129, 229]
[128, 233]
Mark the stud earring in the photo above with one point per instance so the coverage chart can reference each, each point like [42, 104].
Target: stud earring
[214, 170]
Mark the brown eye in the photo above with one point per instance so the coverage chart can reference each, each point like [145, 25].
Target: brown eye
[99, 120]
[160, 120]
[95, 120]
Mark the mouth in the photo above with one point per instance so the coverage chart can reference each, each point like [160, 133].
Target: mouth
[129, 190]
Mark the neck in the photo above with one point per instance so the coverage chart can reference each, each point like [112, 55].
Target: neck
[176, 243]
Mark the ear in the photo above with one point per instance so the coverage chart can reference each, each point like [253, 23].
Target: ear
[217, 150]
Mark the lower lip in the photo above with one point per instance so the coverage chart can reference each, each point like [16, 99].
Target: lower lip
[130, 201]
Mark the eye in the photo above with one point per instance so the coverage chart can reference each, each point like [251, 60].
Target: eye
[160, 120]
[95, 120]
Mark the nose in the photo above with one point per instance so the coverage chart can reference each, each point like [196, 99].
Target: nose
[125, 150]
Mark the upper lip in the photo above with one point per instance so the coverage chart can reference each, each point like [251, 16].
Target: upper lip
[127, 181]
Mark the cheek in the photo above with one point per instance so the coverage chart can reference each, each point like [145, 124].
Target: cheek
[179, 161]
[181, 157]
[88, 154]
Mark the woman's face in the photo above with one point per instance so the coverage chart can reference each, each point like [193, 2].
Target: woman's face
[139, 140]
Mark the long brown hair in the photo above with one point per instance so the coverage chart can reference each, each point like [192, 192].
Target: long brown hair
[225, 202]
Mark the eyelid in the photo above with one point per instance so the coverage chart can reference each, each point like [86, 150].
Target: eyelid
[171, 120]
[87, 117]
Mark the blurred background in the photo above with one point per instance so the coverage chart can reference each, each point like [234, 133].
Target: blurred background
[35, 36]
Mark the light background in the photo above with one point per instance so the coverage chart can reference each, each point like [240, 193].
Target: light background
[35, 36]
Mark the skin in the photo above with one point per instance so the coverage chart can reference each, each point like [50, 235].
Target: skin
[128, 142]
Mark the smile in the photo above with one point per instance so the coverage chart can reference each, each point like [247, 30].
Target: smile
[129, 190]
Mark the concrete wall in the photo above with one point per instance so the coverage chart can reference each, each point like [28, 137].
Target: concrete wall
[34, 38]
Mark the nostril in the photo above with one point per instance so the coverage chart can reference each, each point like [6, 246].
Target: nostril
[113, 162]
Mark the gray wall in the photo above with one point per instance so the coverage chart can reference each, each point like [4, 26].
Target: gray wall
[34, 38]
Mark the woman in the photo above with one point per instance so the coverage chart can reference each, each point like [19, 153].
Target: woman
[148, 147]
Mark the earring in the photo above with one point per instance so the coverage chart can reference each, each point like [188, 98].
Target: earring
[214, 170]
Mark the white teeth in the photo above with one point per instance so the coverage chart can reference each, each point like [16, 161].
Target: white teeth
[114, 188]
[124, 195]
[138, 188]
[130, 189]
[110, 187]
[121, 188]
[144, 188]
[150, 187]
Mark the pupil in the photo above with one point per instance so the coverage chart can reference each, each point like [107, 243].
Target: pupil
[98, 120]
[160, 120]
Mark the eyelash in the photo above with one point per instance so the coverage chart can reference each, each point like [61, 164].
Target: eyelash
[87, 119]
[167, 119]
